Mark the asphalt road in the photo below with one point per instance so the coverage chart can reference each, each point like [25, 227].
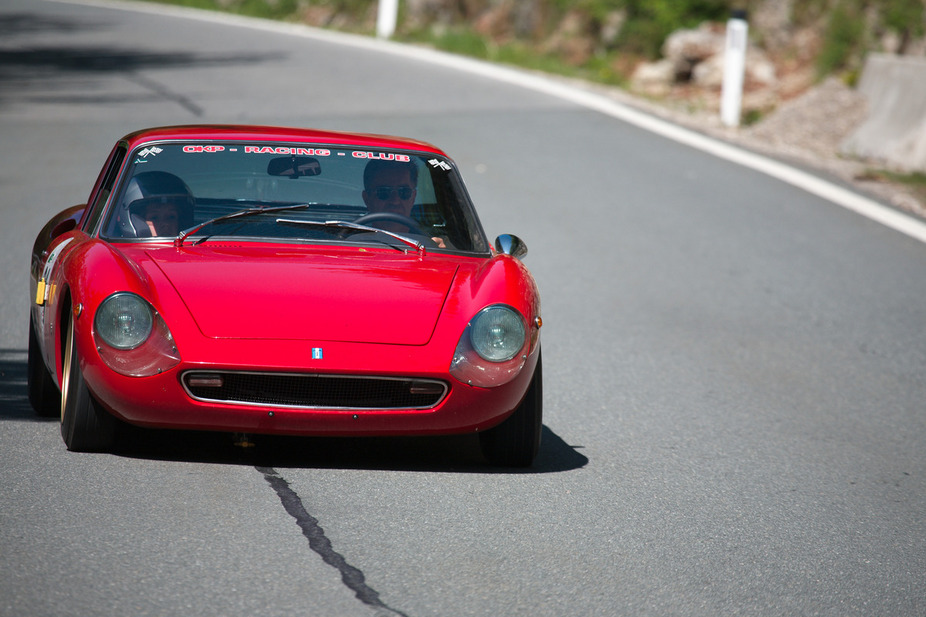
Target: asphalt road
[735, 370]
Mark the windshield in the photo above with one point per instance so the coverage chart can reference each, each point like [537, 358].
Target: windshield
[191, 189]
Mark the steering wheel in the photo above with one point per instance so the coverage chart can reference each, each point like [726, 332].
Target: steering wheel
[390, 217]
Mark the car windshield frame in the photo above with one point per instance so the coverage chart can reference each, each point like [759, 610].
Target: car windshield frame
[198, 181]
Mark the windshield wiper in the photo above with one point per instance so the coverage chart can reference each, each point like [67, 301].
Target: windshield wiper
[178, 241]
[418, 246]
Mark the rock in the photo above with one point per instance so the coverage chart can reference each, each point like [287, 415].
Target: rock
[653, 78]
[759, 72]
[572, 39]
[696, 58]
[689, 48]
[709, 73]
[694, 46]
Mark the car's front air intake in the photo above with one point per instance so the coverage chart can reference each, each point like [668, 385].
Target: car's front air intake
[314, 391]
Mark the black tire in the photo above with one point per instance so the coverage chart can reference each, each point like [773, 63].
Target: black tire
[85, 426]
[43, 393]
[516, 441]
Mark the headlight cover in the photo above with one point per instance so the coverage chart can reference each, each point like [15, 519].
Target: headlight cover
[497, 333]
[492, 349]
[132, 338]
[124, 321]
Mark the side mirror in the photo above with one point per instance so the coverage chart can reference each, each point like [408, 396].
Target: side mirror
[294, 166]
[508, 244]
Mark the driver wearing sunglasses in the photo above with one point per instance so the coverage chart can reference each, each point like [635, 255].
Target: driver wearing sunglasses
[390, 187]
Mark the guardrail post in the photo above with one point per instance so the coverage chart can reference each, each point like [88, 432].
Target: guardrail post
[386, 17]
[734, 68]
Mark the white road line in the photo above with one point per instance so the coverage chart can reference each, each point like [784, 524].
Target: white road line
[846, 198]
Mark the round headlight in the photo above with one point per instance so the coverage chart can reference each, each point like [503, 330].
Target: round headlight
[124, 321]
[497, 333]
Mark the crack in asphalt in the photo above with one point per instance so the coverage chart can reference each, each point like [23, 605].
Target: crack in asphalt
[166, 93]
[352, 577]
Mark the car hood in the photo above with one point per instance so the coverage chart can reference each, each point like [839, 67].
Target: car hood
[362, 296]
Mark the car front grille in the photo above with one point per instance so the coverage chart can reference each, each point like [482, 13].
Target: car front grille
[314, 391]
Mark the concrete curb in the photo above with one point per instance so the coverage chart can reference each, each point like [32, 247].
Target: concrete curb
[895, 132]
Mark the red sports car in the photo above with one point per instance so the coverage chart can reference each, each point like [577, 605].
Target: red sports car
[261, 280]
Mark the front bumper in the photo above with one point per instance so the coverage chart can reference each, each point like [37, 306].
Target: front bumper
[162, 401]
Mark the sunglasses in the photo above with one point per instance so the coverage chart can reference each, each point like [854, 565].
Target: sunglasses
[385, 192]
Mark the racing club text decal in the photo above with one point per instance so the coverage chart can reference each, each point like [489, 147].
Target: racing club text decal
[382, 156]
[299, 151]
[261, 150]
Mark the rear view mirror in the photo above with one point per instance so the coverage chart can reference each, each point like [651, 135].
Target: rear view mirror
[294, 166]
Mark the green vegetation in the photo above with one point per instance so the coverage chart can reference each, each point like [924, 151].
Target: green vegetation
[267, 9]
[905, 17]
[843, 39]
[465, 41]
[649, 22]
[752, 116]
[915, 182]
[851, 28]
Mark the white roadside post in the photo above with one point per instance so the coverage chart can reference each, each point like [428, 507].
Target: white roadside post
[386, 17]
[734, 68]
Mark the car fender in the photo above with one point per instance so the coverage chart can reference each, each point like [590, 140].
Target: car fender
[50, 251]
[89, 270]
[62, 223]
[499, 280]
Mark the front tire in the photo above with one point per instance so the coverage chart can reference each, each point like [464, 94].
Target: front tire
[85, 426]
[516, 441]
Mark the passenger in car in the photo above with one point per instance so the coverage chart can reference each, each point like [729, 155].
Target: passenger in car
[162, 219]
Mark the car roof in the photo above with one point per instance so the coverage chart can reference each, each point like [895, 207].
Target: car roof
[215, 132]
